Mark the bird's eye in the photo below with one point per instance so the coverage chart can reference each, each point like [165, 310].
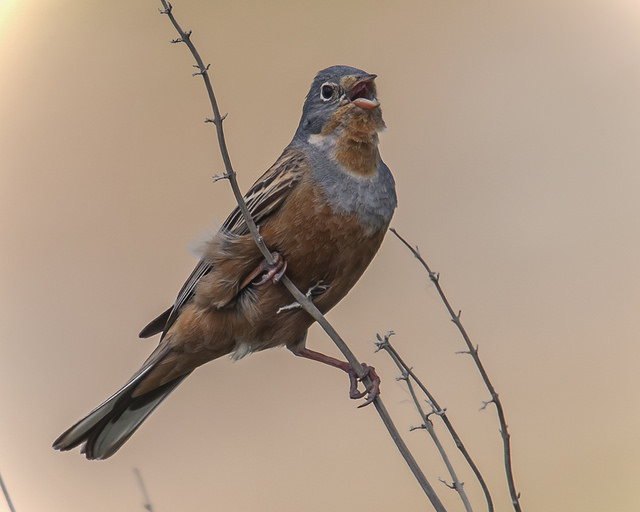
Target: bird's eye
[327, 91]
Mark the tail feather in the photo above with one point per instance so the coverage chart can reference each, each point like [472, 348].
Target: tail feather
[105, 429]
[157, 325]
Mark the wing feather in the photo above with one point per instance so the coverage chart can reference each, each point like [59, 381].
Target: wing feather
[266, 195]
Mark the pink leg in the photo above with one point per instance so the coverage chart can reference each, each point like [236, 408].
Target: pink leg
[372, 390]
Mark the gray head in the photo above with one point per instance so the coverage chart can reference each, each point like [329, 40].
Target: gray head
[337, 92]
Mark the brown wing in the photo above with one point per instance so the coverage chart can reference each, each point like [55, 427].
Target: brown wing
[269, 191]
[265, 196]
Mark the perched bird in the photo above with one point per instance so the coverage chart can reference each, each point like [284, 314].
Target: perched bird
[323, 208]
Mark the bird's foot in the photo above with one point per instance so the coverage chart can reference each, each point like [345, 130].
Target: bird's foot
[270, 271]
[266, 271]
[373, 388]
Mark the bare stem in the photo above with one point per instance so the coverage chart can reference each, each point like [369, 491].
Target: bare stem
[384, 344]
[427, 424]
[5, 491]
[147, 503]
[473, 352]
[300, 297]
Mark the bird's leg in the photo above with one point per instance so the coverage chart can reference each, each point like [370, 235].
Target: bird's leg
[266, 271]
[372, 391]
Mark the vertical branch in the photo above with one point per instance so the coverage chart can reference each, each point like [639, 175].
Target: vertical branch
[473, 352]
[5, 491]
[305, 302]
[147, 503]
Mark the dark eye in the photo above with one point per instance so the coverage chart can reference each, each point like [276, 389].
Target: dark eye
[327, 91]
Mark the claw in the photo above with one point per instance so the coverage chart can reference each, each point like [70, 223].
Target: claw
[266, 271]
[272, 272]
[372, 390]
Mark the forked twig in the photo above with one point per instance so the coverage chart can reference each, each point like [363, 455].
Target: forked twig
[427, 425]
[473, 352]
[383, 343]
[300, 297]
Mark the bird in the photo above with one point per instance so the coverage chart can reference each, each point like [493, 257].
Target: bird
[322, 209]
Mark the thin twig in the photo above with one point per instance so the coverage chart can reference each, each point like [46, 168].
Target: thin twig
[147, 503]
[384, 344]
[300, 297]
[5, 491]
[427, 425]
[473, 352]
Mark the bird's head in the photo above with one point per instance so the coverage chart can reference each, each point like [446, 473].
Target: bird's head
[342, 100]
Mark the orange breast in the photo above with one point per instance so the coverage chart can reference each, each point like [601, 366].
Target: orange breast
[319, 245]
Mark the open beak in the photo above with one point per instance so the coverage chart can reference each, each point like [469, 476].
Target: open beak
[363, 93]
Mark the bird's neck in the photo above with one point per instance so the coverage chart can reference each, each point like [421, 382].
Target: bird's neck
[357, 155]
[356, 140]
[353, 145]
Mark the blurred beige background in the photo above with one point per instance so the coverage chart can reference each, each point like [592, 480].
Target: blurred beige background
[514, 136]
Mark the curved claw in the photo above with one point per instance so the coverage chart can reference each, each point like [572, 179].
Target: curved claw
[371, 391]
[272, 272]
[265, 272]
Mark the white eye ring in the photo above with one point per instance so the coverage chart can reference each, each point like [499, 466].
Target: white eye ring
[328, 91]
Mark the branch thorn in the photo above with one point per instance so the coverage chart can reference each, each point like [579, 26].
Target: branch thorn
[218, 177]
[437, 412]
[404, 376]
[293, 305]
[485, 403]
[450, 486]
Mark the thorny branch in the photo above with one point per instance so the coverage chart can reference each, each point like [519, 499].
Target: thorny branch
[427, 425]
[383, 343]
[473, 352]
[300, 297]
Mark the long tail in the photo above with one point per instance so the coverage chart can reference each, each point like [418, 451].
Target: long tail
[105, 429]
